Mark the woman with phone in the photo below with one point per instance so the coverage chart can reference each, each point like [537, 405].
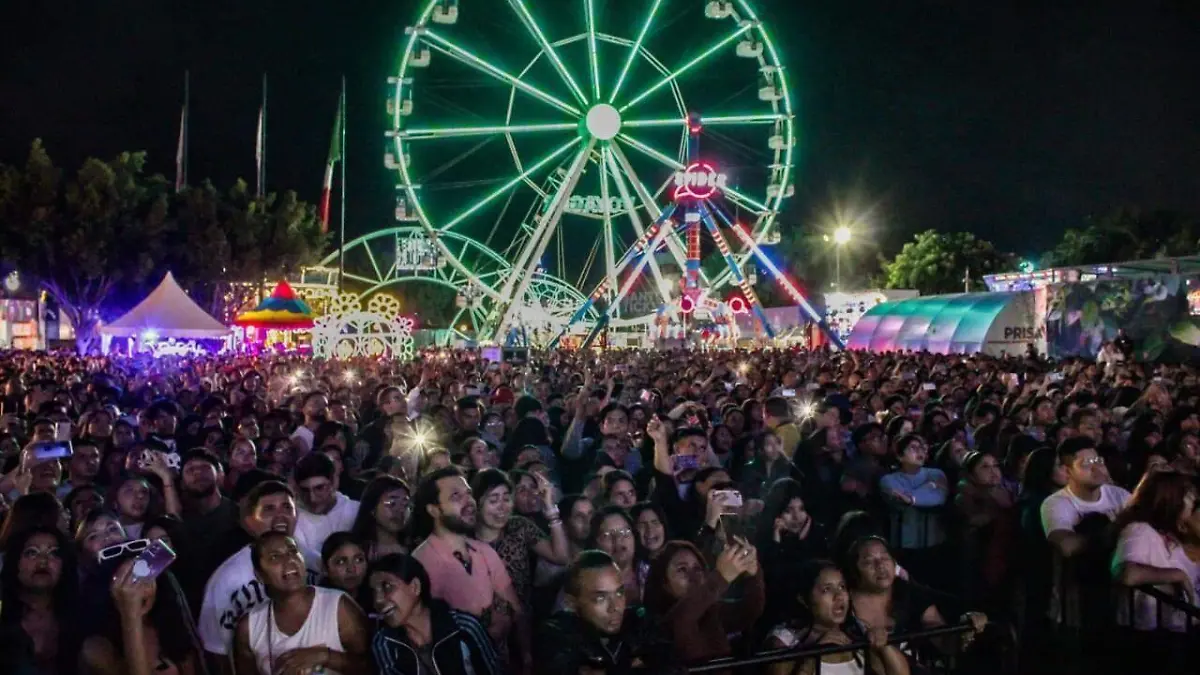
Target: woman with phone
[148, 630]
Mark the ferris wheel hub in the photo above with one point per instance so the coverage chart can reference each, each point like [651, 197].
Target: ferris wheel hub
[603, 122]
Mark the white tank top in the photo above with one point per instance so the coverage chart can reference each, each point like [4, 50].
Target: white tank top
[320, 629]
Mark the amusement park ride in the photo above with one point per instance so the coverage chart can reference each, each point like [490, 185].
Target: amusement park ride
[585, 117]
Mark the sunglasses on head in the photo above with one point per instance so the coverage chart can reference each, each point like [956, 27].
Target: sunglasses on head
[116, 550]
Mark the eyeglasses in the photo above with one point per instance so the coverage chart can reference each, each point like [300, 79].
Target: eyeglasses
[616, 534]
[1091, 461]
[395, 503]
[116, 550]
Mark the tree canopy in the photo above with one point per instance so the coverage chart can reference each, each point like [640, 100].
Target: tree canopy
[937, 262]
[1128, 233]
[111, 230]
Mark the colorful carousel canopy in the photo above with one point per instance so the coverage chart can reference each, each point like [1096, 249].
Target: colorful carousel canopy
[282, 310]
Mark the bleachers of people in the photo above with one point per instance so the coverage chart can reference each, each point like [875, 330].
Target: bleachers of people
[777, 511]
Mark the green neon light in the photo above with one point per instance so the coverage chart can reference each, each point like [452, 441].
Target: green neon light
[532, 25]
[674, 164]
[591, 22]
[688, 66]
[447, 47]
[637, 45]
[727, 119]
[509, 185]
[451, 132]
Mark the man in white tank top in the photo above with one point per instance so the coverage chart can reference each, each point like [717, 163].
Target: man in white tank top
[233, 589]
[302, 629]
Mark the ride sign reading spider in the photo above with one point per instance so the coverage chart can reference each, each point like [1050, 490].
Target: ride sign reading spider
[541, 145]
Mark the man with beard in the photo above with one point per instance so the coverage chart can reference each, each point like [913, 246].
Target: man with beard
[598, 632]
[323, 510]
[314, 409]
[233, 590]
[465, 573]
[209, 520]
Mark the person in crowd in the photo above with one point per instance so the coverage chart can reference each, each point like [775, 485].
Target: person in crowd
[234, 589]
[79, 502]
[687, 599]
[986, 511]
[612, 531]
[879, 598]
[515, 538]
[651, 525]
[1087, 491]
[314, 407]
[345, 564]
[786, 533]
[467, 574]
[912, 493]
[821, 618]
[39, 509]
[323, 510]
[38, 591]
[417, 630]
[619, 489]
[148, 629]
[382, 523]
[599, 630]
[83, 468]
[1150, 550]
[300, 628]
[243, 456]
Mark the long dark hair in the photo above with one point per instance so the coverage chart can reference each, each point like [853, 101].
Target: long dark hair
[657, 600]
[66, 595]
[1157, 501]
[1038, 481]
[406, 568]
[779, 495]
[364, 522]
[38, 509]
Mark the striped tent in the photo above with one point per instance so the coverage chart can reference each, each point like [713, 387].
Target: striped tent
[282, 310]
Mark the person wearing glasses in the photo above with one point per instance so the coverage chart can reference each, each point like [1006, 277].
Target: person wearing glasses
[383, 520]
[323, 510]
[1088, 491]
[613, 532]
[38, 595]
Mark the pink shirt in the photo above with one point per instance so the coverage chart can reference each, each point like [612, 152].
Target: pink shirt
[449, 580]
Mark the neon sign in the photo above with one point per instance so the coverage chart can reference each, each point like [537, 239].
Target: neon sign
[699, 181]
[594, 206]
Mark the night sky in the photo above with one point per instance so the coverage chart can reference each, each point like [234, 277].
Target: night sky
[1011, 119]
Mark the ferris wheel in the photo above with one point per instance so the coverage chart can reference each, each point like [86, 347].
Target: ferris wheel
[559, 134]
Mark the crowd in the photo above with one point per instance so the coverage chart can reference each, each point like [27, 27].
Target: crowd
[586, 513]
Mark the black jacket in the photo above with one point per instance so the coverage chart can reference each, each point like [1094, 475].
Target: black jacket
[461, 646]
[565, 643]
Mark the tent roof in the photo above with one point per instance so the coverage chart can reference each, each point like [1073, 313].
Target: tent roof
[942, 324]
[170, 313]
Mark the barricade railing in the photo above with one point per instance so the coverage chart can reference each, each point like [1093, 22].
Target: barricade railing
[1164, 603]
[796, 654]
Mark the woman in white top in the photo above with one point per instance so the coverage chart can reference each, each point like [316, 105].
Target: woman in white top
[1154, 528]
[824, 621]
[303, 629]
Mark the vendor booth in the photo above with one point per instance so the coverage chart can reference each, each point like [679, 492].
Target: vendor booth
[166, 316]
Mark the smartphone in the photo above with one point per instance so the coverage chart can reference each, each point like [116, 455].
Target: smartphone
[493, 354]
[1054, 377]
[153, 561]
[728, 386]
[788, 393]
[929, 386]
[681, 463]
[47, 450]
[646, 396]
[62, 431]
[812, 386]
[733, 498]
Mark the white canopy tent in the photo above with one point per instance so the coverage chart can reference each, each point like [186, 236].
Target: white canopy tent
[167, 312]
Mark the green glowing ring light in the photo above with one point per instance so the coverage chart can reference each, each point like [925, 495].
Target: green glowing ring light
[589, 116]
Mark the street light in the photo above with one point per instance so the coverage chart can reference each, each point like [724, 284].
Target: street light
[841, 237]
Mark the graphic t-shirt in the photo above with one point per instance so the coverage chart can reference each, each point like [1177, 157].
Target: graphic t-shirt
[233, 591]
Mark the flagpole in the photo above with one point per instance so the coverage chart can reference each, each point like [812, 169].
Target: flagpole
[261, 141]
[187, 113]
[342, 227]
[181, 146]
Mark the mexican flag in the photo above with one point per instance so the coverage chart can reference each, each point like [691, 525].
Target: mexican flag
[335, 156]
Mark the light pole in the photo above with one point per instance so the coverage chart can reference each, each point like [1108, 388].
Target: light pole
[841, 237]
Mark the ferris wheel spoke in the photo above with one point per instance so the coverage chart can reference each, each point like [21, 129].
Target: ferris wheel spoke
[532, 25]
[461, 132]
[731, 193]
[509, 185]
[610, 261]
[659, 284]
[706, 121]
[704, 56]
[673, 244]
[454, 51]
[637, 46]
[592, 55]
